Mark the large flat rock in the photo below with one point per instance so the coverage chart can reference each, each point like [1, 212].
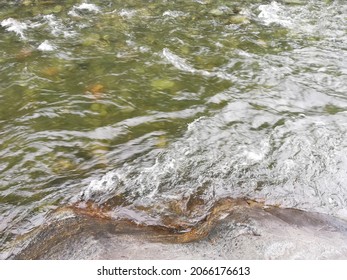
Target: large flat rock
[232, 230]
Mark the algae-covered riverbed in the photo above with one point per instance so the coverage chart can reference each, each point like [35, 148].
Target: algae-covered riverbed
[155, 110]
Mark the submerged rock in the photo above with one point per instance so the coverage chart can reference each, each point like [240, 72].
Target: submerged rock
[238, 19]
[295, 2]
[162, 84]
[216, 12]
[233, 229]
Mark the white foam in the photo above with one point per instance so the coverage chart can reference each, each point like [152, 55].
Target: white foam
[84, 7]
[254, 156]
[57, 27]
[13, 25]
[106, 185]
[127, 13]
[174, 14]
[73, 13]
[88, 7]
[274, 13]
[45, 46]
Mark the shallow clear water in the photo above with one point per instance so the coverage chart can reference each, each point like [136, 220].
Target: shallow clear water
[159, 108]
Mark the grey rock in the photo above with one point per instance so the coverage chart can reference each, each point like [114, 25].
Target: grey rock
[232, 230]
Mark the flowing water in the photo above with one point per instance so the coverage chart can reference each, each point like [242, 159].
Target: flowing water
[156, 109]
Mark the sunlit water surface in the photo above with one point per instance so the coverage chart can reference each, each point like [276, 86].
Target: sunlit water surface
[153, 109]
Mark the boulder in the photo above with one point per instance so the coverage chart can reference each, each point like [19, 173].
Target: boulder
[233, 229]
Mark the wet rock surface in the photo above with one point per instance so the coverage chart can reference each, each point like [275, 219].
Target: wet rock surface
[233, 229]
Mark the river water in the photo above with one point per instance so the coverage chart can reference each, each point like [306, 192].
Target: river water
[156, 109]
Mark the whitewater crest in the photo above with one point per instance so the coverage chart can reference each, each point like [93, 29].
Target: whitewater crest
[181, 64]
[83, 7]
[46, 46]
[275, 13]
[13, 25]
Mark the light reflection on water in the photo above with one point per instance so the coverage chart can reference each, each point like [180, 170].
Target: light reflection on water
[139, 106]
